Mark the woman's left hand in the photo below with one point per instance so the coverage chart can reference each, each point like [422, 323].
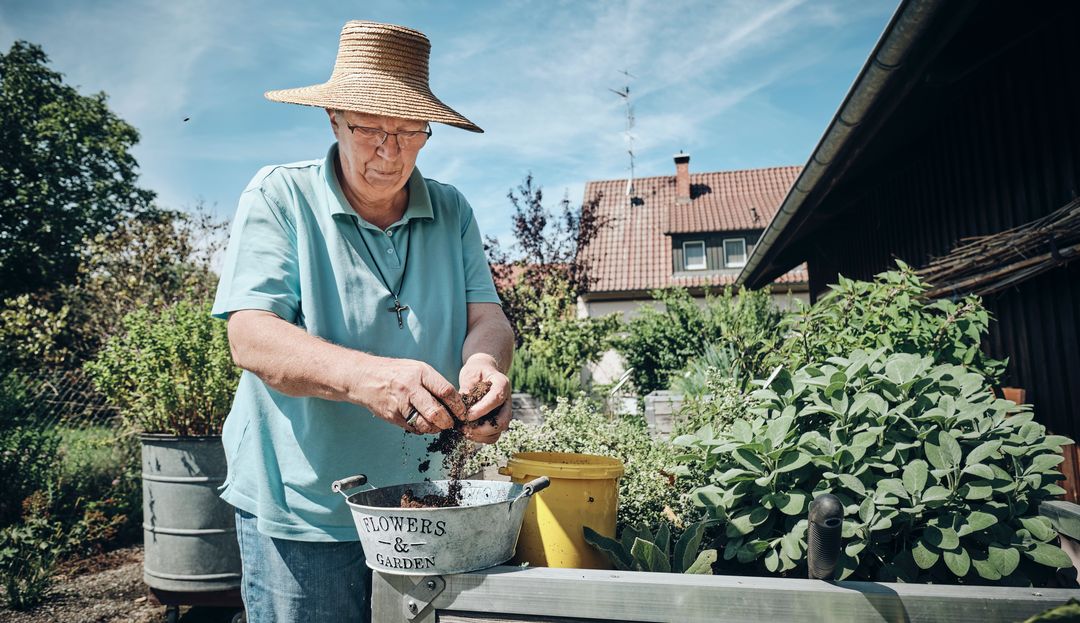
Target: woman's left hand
[481, 367]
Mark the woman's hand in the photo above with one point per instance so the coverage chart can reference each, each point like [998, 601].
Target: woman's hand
[481, 367]
[392, 388]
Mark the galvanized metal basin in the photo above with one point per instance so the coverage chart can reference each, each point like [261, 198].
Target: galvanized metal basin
[480, 533]
[189, 532]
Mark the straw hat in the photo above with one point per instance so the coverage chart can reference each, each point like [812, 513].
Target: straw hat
[381, 69]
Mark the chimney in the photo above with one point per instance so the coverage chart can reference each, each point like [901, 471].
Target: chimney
[682, 178]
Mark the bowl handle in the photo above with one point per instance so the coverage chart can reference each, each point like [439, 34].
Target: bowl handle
[536, 486]
[340, 486]
[531, 487]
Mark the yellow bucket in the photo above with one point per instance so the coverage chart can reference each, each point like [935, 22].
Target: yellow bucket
[584, 491]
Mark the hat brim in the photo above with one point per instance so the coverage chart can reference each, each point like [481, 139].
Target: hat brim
[381, 96]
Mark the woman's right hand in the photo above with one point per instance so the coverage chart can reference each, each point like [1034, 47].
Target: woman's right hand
[392, 388]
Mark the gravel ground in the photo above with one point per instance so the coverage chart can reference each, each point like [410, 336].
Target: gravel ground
[106, 589]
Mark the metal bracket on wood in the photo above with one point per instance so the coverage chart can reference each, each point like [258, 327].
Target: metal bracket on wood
[419, 597]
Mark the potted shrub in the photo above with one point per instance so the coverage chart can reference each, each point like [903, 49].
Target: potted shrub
[171, 376]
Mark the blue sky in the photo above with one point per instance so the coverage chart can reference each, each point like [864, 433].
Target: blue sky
[736, 83]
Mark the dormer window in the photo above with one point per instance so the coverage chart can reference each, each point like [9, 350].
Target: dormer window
[694, 255]
[734, 252]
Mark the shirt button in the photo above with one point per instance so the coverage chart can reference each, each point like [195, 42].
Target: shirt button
[389, 232]
[390, 250]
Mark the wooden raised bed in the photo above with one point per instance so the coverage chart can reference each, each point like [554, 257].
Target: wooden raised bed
[574, 595]
[513, 594]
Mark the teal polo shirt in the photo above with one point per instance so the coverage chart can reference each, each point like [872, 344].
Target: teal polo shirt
[298, 249]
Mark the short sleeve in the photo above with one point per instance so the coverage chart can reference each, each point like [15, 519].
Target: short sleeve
[479, 287]
[261, 269]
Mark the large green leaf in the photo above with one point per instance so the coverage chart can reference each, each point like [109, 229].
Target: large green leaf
[986, 569]
[1004, 559]
[950, 448]
[751, 550]
[703, 563]
[649, 557]
[1039, 527]
[791, 546]
[749, 460]
[777, 430]
[925, 555]
[902, 369]
[792, 461]
[740, 524]
[942, 537]
[663, 539]
[978, 469]
[976, 521]
[983, 451]
[957, 561]
[1056, 441]
[772, 560]
[614, 550]
[793, 502]
[1049, 555]
[892, 486]
[853, 483]
[977, 490]
[686, 548]
[914, 477]
[1046, 462]
[935, 494]
[935, 454]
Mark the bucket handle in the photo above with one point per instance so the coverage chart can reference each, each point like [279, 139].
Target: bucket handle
[340, 486]
[532, 487]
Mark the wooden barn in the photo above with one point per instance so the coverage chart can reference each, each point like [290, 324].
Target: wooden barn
[957, 150]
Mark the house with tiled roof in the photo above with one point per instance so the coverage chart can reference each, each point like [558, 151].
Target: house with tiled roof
[683, 230]
[690, 230]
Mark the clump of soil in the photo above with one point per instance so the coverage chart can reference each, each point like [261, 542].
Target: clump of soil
[455, 449]
[433, 500]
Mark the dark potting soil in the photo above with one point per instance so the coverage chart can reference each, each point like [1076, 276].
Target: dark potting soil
[455, 450]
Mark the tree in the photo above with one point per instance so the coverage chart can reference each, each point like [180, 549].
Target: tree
[547, 260]
[66, 173]
[153, 260]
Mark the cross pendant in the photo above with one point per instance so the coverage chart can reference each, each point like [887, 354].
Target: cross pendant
[398, 308]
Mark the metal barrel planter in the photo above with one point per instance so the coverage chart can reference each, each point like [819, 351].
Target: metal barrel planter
[189, 532]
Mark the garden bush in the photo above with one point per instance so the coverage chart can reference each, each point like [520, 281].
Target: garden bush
[940, 480]
[537, 377]
[644, 490]
[170, 371]
[659, 343]
[889, 312]
[29, 461]
[719, 403]
[29, 552]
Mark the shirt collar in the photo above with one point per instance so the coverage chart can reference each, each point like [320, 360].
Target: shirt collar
[419, 199]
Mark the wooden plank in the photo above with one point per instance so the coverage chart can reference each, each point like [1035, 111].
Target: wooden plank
[629, 596]
[479, 617]
[1065, 517]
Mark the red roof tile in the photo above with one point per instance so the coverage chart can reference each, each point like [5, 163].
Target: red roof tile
[633, 252]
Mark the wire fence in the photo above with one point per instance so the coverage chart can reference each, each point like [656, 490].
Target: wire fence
[55, 397]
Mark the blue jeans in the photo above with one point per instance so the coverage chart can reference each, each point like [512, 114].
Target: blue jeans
[292, 581]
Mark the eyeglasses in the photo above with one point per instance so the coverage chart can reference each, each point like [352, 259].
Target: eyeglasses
[407, 140]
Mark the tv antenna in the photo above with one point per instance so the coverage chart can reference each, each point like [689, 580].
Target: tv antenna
[624, 93]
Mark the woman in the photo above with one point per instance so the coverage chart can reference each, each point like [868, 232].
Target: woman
[355, 290]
